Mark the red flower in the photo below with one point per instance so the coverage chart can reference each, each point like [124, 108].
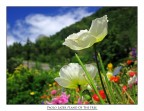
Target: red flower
[132, 73]
[124, 88]
[115, 79]
[129, 62]
[102, 94]
[95, 97]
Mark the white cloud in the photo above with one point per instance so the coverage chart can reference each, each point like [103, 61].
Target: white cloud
[10, 40]
[38, 24]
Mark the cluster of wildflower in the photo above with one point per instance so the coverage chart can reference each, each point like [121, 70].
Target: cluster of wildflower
[62, 99]
[112, 75]
[79, 77]
[132, 66]
[127, 72]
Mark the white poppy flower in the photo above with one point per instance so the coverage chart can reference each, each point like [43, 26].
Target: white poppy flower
[72, 75]
[132, 80]
[84, 38]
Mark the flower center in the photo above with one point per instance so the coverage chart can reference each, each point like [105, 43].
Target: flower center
[78, 88]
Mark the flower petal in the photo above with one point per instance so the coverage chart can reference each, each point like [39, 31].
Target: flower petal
[65, 83]
[70, 71]
[72, 75]
[99, 28]
[80, 40]
[132, 80]
[91, 69]
[84, 38]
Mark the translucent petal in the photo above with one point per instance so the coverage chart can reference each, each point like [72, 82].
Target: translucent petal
[72, 75]
[81, 40]
[99, 28]
[91, 69]
[65, 83]
[76, 35]
[84, 38]
[70, 71]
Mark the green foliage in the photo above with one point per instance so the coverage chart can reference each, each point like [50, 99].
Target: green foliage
[24, 81]
[12, 63]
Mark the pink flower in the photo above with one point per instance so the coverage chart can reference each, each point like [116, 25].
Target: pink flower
[63, 99]
[53, 92]
[80, 100]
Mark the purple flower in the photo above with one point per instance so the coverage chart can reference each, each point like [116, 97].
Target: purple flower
[63, 99]
[42, 102]
[133, 53]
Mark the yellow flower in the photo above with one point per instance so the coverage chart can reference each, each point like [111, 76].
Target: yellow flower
[86, 38]
[32, 93]
[110, 66]
[75, 102]
[109, 74]
[50, 85]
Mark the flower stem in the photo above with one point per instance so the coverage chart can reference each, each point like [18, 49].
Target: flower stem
[80, 93]
[100, 74]
[119, 92]
[90, 79]
[134, 92]
[107, 82]
[129, 96]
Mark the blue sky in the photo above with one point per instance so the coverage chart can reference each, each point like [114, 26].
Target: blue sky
[23, 22]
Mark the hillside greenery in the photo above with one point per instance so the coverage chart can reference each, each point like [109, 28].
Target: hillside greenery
[122, 35]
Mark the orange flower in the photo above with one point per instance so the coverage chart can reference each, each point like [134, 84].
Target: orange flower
[86, 102]
[129, 62]
[115, 79]
[43, 97]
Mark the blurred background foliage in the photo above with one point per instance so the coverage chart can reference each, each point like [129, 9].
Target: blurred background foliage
[122, 36]
[25, 86]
